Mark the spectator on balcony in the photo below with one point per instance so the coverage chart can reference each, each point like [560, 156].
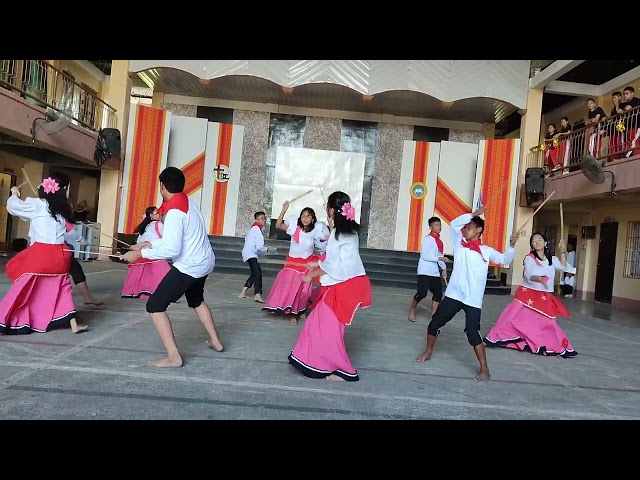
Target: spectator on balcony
[567, 283]
[616, 138]
[564, 142]
[596, 114]
[630, 101]
[551, 148]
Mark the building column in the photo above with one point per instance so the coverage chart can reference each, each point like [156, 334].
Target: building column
[119, 97]
[157, 100]
[530, 137]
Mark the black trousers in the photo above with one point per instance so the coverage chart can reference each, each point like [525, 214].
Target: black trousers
[427, 283]
[255, 279]
[76, 272]
[172, 287]
[447, 310]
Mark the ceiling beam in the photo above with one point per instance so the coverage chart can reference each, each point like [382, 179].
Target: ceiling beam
[571, 88]
[620, 81]
[553, 72]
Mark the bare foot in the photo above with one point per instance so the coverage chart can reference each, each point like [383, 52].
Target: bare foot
[93, 301]
[243, 293]
[294, 320]
[166, 362]
[335, 378]
[258, 298]
[426, 355]
[215, 345]
[483, 376]
[77, 327]
[412, 316]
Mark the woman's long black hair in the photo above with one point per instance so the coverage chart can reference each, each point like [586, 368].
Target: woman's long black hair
[341, 224]
[312, 225]
[147, 220]
[58, 203]
[547, 252]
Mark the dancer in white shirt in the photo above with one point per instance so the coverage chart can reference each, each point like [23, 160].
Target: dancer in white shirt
[429, 276]
[40, 299]
[145, 275]
[465, 290]
[254, 246]
[529, 322]
[320, 351]
[289, 294]
[186, 242]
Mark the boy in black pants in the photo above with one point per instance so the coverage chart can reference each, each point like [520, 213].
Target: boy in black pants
[254, 246]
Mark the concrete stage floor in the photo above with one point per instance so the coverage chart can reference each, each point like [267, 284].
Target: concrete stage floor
[101, 374]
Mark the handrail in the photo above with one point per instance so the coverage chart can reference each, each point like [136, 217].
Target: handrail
[613, 138]
[44, 85]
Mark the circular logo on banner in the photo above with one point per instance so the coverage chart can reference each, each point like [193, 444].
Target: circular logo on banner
[221, 173]
[418, 190]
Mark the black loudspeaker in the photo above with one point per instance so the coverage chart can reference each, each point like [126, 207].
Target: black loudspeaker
[589, 232]
[108, 145]
[534, 185]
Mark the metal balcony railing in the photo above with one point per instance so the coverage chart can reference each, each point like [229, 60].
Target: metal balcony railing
[608, 140]
[44, 85]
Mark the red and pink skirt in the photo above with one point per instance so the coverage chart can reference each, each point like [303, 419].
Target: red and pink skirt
[290, 294]
[40, 297]
[320, 350]
[144, 277]
[529, 324]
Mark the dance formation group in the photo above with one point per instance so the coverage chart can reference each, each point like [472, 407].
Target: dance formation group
[323, 278]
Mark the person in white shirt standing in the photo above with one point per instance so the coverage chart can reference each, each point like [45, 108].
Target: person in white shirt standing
[186, 242]
[254, 246]
[465, 290]
[289, 294]
[429, 276]
[319, 351]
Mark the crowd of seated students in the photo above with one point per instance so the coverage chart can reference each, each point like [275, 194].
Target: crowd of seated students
[622, 133]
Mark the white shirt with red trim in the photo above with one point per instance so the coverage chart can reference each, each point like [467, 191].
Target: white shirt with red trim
[469, 276]
[185, 241]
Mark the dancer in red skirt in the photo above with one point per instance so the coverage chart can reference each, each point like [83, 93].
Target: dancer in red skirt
[144, 275]
[289, 294]
[320, 351]
[529, 322]
[40, 299]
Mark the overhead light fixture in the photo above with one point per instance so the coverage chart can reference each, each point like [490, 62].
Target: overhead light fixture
[287, 90]
[367, 98]
[447, 105]
[204, 81]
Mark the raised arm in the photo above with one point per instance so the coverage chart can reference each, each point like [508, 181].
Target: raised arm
[25, 209]
[280, 223]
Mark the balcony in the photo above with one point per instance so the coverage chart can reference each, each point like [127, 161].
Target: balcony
[614, 142]
[32, 87]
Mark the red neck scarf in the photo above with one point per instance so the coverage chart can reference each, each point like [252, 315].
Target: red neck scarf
[473, 245]
[179, 201]
[296, 235]
[256, 224]
[439, 243]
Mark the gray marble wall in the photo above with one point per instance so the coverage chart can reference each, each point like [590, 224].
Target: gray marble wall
[386, 183]
[322, 133]
[253, 170]
[465, 136]
[180, 109]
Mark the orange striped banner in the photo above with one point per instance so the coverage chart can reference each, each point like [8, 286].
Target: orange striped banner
[416, 207]
[193, 174]
[496, 170]
[220, 188]
[449, 205]
[145, 163]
